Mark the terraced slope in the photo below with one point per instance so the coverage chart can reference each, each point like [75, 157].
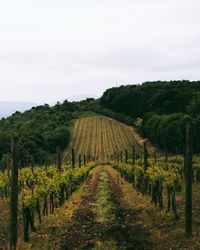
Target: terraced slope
[101, 137]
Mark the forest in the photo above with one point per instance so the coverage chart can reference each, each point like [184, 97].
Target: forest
[160, 110]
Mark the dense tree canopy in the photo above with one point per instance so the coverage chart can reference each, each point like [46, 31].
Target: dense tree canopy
[161, 107]
[159, 97]
[40, 130]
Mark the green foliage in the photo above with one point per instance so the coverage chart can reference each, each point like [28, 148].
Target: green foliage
[162, 106]
[158, 179]
[35, 184]
[160, 97]
[194, 106]
[50, 181]
[41, 130]
[165, 131]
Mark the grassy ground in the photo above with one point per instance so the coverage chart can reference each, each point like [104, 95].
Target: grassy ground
[103, 208]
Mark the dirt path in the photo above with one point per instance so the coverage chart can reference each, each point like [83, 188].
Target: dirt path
[126, 230]
[83, 230]
[104, 221]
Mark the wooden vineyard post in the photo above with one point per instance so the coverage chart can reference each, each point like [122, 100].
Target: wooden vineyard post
[145, 156]
[84, 160]
[121, 157]
[73, 158]
[117, 157]
[133, 155]
[79, 161]
[14, 192]
[141, 156]
[155, 156]
[32, 164]
[188, 182]
[45, 161]
[59, 161]
[166, 155]
[126, 156]
[145, 166]
[176, 153]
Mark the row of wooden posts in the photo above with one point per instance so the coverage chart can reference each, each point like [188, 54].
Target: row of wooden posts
[14, 181]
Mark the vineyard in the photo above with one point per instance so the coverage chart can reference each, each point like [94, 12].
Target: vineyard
[41, 190]
[101, 138]
[108, 190]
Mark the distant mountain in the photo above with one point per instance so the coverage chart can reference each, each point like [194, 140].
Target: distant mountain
[8, 108]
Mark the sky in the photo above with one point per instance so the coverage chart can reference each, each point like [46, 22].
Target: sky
[53, 49]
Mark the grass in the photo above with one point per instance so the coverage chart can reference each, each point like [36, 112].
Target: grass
[103, 208]
[106, 245]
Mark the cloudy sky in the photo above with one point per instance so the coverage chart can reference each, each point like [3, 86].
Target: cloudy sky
[52, 49]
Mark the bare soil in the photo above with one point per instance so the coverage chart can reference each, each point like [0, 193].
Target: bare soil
[124, 230]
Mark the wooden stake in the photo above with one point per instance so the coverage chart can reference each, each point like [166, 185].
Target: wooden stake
[79, 161]
[133, 155]
[59, 161]
[155, 156]
[73, 158]
[188, 182]
[14, 192]
[145, 156]
[84, 160]
[126, 156]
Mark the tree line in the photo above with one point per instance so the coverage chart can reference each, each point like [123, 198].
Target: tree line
[160, 110]
[41, 130]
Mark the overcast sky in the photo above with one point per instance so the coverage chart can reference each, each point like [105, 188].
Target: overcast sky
[52, 49]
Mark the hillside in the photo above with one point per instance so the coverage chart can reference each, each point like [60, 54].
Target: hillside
[40, 130]
[104, 203]
[43, 128]
[101, 138]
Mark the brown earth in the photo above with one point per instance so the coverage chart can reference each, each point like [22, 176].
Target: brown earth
[85, 233]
